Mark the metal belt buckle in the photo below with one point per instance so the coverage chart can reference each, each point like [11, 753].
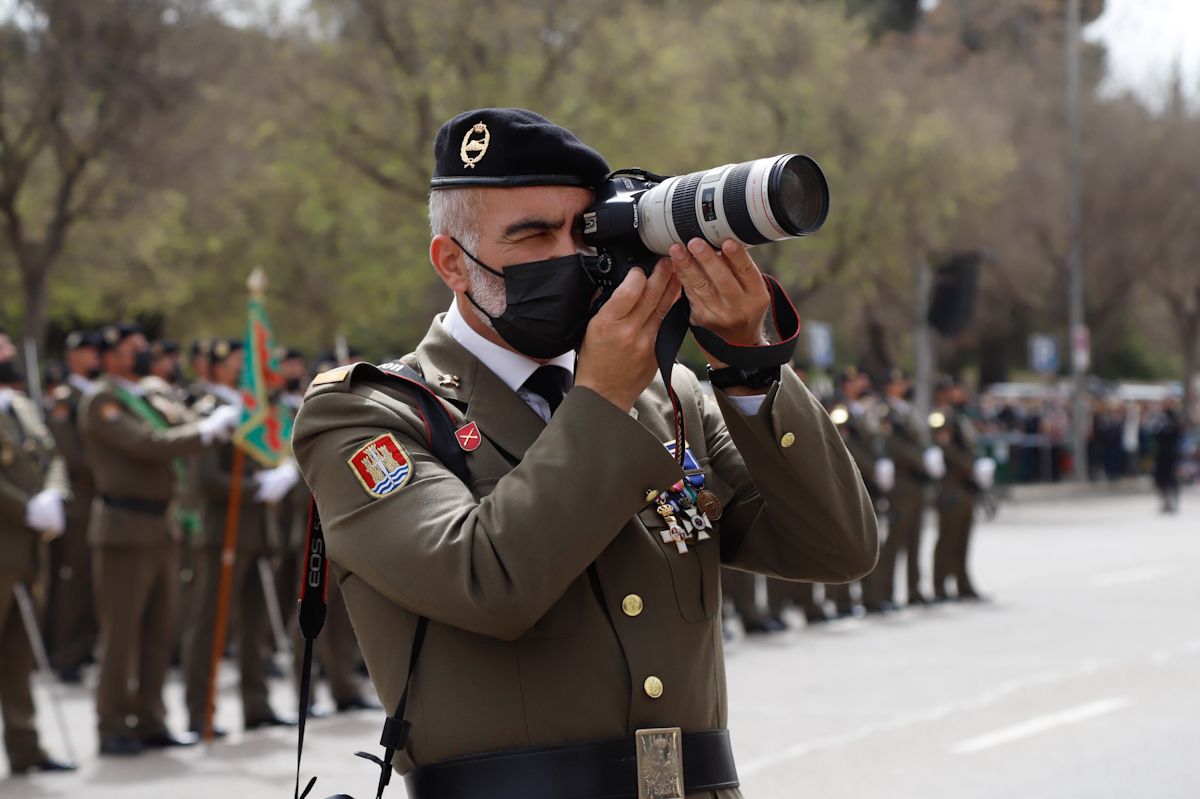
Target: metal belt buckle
[660, 763]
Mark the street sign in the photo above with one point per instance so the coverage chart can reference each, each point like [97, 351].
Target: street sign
[1081, 348]
[1043, 354]
[820, 344]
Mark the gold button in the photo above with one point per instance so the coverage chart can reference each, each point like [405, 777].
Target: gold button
[632, 605]
[653, 686]
[787, 440]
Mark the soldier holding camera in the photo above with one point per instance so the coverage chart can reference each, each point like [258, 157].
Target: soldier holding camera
[571, 583]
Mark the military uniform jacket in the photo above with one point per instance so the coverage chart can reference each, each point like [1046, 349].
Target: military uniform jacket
[553, 600]
[63, 422]
[960, 456]
[29, 464]
[863, 445]
[131, 459]
[214, 477]
[906, 446]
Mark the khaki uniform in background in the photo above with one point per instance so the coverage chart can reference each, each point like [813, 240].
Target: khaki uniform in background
[336, 649]
[214, 477]
[906, 506]
[135, 546]
[557, 612]
[864, 445]
[29, 464]
[956, 507]
[71, 626]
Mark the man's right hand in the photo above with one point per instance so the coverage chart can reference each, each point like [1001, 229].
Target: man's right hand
[617, 357]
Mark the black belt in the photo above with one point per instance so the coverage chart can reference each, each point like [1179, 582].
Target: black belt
[146, 506]
[599, 770]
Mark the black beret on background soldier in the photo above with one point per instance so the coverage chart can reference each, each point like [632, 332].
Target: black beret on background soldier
[33, 491]
[570, 612]
[132, 448]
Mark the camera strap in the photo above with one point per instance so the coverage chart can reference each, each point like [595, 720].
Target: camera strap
[439, 429]
[676, 325]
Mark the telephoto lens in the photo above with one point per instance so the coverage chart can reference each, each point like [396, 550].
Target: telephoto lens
[755, 202]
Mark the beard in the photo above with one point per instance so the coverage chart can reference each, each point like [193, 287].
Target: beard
[488, 291]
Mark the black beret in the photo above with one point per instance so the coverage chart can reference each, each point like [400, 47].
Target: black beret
[112, 335]
[200, 347]
[512, 147]
[898, 375]
[288, 354]
[78, 339]
[164, 346]
[222, 348]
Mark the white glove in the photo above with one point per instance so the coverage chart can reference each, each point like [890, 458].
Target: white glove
[985, 473]
[220, 425]
[274, 484]
[935, 463]
[46, 514]
[885, 474]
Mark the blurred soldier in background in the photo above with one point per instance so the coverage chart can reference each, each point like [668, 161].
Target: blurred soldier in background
[259, 486]
[71, 615]
[336, 650]
[135, 545]
[33, 490]
[905, 445]
[1168, 442]
[166, 372]
[956, 503]
[198, 360]
[859, 430]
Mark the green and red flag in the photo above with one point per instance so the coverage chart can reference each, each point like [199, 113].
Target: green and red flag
[265, 433]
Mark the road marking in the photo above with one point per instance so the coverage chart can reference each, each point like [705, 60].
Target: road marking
[1040, 724]
[1126, 576]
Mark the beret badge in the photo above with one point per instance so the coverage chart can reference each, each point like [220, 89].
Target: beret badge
[476, 140]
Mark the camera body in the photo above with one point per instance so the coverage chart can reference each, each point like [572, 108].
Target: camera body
[638, 215]
[611, 225]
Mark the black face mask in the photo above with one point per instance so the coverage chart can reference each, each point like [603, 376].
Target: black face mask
[93, 373]
[292, 384]
[548, 304]
[142, 362]
[10, 373]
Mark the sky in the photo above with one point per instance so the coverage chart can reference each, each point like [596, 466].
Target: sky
[1146, 40]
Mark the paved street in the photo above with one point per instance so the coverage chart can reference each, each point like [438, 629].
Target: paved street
[1080, 679]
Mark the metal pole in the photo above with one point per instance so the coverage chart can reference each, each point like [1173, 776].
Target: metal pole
[25, 607]
[923, 341]
[1075, 244]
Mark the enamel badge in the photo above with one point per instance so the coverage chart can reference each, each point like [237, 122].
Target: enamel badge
[468, 437]
[382, 466]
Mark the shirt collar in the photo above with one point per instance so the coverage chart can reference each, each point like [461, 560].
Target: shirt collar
[131, 387]
[512, 368]
[230, 396]
[80, 382]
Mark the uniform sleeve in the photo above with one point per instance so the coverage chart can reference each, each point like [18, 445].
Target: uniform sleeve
[62, 426]
[907, 455]
[492, 566]
[800, 509]
[12, 502]
[136, 438]
[214, 481]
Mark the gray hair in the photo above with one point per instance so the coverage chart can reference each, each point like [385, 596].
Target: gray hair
[455, 213]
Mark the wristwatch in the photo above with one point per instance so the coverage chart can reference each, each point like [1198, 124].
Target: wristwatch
[731, 376]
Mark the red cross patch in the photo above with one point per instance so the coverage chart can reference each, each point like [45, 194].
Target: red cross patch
[468, 437]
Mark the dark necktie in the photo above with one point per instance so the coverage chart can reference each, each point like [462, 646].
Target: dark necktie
[551, 383]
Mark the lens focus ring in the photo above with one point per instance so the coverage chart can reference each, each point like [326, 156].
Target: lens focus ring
[737, 210]
[683, 208]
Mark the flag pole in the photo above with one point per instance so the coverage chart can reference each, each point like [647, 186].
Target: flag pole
[257, 285]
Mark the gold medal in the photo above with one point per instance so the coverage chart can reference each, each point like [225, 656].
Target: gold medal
[709, 505]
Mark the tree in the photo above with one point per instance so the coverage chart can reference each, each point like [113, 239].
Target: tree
[78, 82]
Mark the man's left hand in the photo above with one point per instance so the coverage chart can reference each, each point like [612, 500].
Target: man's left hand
[727, 292]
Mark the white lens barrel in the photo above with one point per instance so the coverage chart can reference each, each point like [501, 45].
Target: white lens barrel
[727, 202]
